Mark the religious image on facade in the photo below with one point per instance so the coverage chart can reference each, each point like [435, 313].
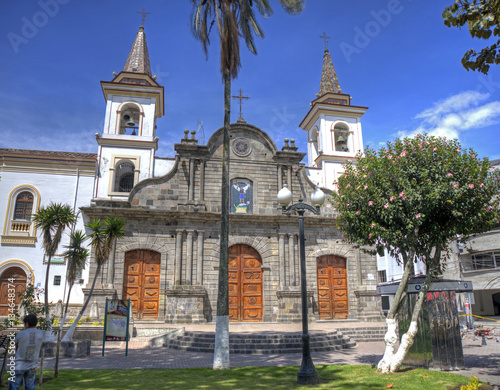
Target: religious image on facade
[241, 196]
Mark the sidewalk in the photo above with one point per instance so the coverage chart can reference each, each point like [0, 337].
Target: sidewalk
[482, 361]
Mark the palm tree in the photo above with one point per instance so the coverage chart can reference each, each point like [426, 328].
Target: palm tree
[76, 255]
[52, 220]
[103, 234]
[234, 18]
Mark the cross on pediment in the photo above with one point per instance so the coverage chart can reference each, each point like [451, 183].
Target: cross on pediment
[240, 97]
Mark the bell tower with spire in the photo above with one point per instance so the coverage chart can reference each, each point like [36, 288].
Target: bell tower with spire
[127, 146]
[333, 127]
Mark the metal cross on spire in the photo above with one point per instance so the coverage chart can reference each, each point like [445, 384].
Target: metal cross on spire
[144, 13]
[326, 38]
[240, 97]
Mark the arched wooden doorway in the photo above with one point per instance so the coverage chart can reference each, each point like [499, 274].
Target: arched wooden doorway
[141, 282]
[332, 287]
[245, 284]
[12, 282]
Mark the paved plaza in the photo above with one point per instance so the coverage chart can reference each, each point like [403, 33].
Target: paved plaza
[481, 361]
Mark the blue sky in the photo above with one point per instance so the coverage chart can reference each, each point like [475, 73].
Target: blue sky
[395, 57]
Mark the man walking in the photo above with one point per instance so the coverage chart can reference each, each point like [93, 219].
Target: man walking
[28, 344]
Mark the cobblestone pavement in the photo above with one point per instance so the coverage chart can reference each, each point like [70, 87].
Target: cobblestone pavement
[482, 361]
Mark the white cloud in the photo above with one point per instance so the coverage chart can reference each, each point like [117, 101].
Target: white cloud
[449, 117]
[454, 103]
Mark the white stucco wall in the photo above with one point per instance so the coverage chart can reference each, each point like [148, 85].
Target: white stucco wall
[52, 188]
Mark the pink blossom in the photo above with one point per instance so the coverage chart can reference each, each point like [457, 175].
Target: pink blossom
[370, 235]
[364, 175]
[365, 186]
[471, 186]
[403, 153]
[455, 185]
[434, 149]
[417, 216]
[372, 225]
[449, 174]
[358, 212]
[347, 186]
[386, 206]
[390, 157]
[391, 198]
[347, 204]
[370, 203]
[402, 195]
[473, 155]
[481, 185]
[458, 149]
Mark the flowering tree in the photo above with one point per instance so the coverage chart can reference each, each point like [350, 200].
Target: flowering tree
[413, 197]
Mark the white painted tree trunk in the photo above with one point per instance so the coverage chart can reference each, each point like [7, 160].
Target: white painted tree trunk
[392, 361]
[69, 334]
[404, 347]
[50, 335]
[221, 347]
[391, 341]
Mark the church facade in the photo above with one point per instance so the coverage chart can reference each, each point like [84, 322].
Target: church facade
[167, 262]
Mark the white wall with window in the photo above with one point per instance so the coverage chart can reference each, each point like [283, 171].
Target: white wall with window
[25, 188]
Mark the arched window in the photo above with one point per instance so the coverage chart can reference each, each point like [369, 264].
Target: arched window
[24, 206]
[340, 135]
[129, 119]
[124, 177]
[314, 141]
[19, 229]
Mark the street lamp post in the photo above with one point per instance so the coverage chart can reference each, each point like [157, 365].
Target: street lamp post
[307, 373]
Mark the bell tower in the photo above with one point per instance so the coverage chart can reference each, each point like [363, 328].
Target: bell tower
[333, 127]
[127, 146]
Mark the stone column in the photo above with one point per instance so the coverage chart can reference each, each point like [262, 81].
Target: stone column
[280, 177]
[199, 260]
[358, 267]
[281, 242]
[178, 258]
[189, 257]
[291, 260]
[289, 177]
[191, 180]
[202, 180]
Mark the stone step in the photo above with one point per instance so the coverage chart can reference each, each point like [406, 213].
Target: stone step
[366, 334]
[261, 344]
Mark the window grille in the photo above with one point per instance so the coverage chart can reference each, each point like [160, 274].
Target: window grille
[24, 206]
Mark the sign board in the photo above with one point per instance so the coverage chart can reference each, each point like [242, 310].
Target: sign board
[116, 322]
[445, 285]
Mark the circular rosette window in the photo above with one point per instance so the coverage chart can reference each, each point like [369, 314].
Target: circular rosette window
[241, 147]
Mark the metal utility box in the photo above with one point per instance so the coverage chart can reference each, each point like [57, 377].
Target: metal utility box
[438, 344]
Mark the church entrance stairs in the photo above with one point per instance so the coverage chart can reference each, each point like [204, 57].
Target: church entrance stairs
[261, 343]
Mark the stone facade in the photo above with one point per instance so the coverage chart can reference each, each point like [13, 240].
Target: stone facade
[178, 216]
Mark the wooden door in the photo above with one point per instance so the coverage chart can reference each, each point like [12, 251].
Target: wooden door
[332, 287]
[141, 282]
[245, 284]
[12, 281]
